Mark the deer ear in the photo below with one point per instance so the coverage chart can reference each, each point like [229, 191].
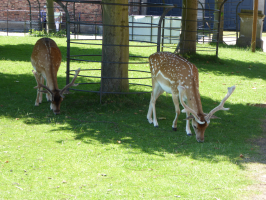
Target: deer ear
[190, 117]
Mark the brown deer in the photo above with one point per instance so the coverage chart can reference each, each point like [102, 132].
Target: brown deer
[46, 59]
[176, 75]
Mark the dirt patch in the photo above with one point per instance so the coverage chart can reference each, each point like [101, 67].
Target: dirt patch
[257, 167]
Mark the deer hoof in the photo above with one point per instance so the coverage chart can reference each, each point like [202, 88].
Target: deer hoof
[156, 126]
[174, 129]
[150, 121]
[189, 134]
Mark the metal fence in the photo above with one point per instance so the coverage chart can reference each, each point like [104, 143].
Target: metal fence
[158, 32]
[145, 32]
[30, 17]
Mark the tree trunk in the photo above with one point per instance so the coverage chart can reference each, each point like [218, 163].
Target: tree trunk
[115, 50]
[50, 16]
[188, 37]
[216, 18]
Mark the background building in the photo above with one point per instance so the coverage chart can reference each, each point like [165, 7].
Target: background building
[16, 15]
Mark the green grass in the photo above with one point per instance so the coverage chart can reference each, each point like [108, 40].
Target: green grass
[109, 150]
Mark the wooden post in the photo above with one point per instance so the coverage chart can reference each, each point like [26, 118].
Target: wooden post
[115, 47]
[254, 27]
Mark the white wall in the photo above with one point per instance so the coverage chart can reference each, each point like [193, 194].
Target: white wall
[143, 31]
[261, 6]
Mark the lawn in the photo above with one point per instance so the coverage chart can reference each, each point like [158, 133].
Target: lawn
[108, 150]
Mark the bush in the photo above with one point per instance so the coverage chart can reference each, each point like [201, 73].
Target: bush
[43, 33]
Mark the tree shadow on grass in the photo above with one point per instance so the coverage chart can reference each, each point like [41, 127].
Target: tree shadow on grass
[223, 67]
[121, 120]
[22, 52]
[129, 128]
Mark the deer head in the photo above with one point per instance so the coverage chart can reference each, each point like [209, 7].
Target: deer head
[56, 95]
[200, 121]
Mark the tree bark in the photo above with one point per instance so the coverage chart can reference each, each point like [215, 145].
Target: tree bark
[254, 26]
[50, 16]
[115, 49]
[188, 37]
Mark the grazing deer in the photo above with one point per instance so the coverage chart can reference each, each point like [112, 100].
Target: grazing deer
[176, 75]
[46, 59]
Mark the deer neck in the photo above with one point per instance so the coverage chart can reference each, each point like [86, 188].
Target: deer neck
[51, 77]
[193, 97]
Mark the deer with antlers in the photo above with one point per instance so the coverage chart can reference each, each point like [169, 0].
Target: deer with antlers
[176, 75]
[46, 59]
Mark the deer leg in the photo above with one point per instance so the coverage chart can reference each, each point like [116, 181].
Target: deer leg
[149, 114]
[37, 78]
[188, 125]
[48, 95]
[177, 110]
[156, 92]
[40, 93]
[37, 98]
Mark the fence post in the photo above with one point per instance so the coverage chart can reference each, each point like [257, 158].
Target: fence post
[159, 27]
[151, 29]
[68, 38]
[171, 29]
[218, 31]
[7, 22]
[39, 20]
[132, 30]
[30, 17]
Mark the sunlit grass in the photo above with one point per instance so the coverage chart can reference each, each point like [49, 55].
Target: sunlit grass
[109, 150]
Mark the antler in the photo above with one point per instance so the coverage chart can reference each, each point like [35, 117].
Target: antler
[220, 107]
[181, 90]
[39, 85]
[70, 84]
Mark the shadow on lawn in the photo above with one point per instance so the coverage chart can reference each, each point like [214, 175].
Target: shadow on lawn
[226, 67]
[22, 52]
[229, 67]
[121, 120]
[126, 125]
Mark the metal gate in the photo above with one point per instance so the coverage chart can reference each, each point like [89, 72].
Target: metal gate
[264, 24]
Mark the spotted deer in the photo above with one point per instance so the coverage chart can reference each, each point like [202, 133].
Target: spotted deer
[46, 59]
[176, 75]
